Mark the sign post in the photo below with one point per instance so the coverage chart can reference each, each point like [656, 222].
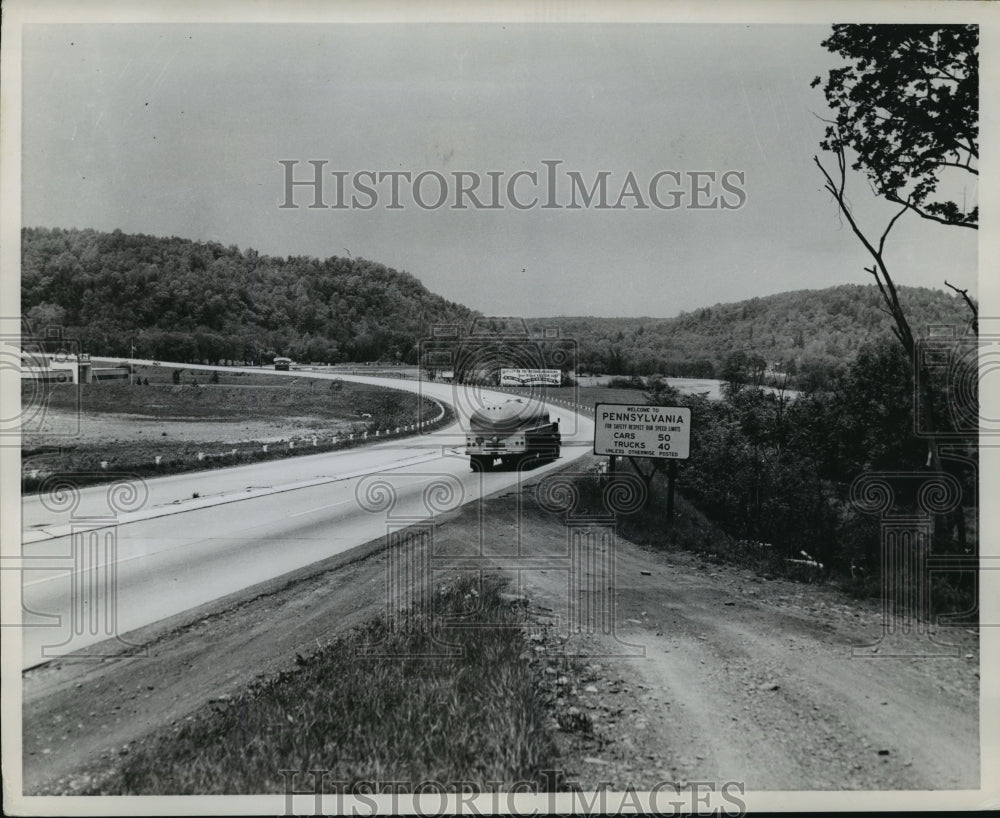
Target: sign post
[661, 433]
[671, 477]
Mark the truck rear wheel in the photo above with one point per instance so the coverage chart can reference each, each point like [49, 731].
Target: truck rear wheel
[548, 451]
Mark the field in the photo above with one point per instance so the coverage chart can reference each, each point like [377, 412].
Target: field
[127, 427]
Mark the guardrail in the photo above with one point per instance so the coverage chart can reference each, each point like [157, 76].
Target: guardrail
[331, 442]
[257, 451]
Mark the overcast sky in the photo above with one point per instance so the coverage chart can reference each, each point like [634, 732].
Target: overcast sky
[179, 130]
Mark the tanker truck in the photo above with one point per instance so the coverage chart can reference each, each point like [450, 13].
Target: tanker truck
[511, 432]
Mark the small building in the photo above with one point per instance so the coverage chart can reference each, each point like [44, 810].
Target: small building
[110, 373]
[57, 367]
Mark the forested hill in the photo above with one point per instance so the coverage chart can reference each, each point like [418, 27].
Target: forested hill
[805, 328]
[182, 300]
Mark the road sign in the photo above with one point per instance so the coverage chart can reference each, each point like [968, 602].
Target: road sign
[530, 377]
[642, 431]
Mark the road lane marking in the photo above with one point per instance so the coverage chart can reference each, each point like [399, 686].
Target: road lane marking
[319, 508]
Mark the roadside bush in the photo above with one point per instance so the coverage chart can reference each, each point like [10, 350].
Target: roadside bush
[634, 382]
[775, 475]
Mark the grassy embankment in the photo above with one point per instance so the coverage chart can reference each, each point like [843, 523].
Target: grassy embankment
[127, 427]
[477, 715]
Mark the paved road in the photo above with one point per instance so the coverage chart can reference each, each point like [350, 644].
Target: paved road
[169, 551]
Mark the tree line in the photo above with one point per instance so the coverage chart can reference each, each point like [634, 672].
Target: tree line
[179, 300]
[776, 474]
[807, 334]
[188, 301]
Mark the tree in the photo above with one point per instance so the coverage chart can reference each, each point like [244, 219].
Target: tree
[908, 106]
[45, 315]
[661, 393]
[735, 371]
[757, 367]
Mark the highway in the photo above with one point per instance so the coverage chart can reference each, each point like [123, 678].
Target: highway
[177, 542]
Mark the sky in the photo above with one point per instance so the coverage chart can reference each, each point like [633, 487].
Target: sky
[181, 129]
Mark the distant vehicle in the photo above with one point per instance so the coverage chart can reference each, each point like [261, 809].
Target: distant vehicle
[282, 364]
[512, 432]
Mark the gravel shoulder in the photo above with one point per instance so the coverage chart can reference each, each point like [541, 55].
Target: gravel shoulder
[711, 673]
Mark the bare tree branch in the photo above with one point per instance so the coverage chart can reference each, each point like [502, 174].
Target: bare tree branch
[925, 215]
[885, 235]
[969, 168]
[969, 302]
[881, 273]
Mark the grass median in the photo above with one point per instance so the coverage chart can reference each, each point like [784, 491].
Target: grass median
[98, 432]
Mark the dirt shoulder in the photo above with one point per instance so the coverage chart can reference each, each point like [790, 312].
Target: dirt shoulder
[747, 680]
[700, 672]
